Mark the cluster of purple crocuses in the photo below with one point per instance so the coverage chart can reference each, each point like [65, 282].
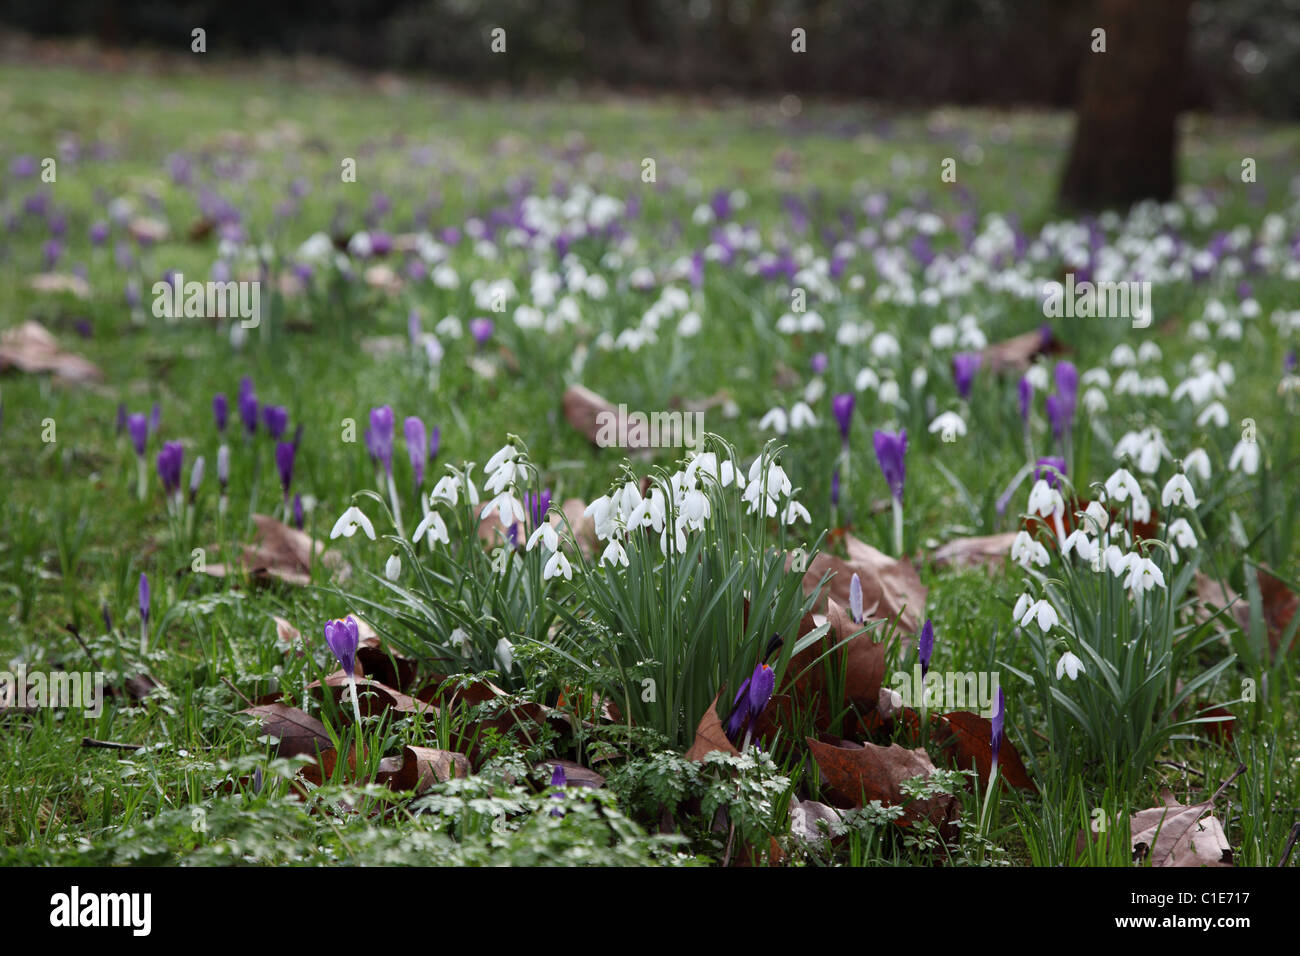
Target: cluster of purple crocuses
[422, 447]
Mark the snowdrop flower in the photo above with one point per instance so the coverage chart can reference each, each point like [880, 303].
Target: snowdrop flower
[434, 527]
[1181, 533]
[1116, 560]
[557, 565]
[884, 346]
[1176, 490]
[1096, 517]
[348, 523]
[1121, 484]
[614, 553]
[545, 534]
[447, 489]
[1043, 613]
[1199, 462]
[947, 424]
[1069, 665]
[1026, 551]
[1080, 543]
[889, 392]
[505, 655]
[794, 511]
[509, 509]
[1036, 375]
[1214, 414]
[1141, 509]
[1245, 457]
[1143, 575]
[507, 453]
[775, 420]
[1045, 500]
[603, 514]
[1094, 401]
[867, 378]
[1123, 355]
[801, 416]
[393, 569]
[1022, 605]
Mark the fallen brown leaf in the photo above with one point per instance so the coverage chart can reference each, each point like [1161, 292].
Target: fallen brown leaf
[1177, 835]
[422, 767]
[890, 588]
[31, 348]
[968, 738]
[709, 735]
[282, 553]
[866, 773]
[297, 731]
[990, 549]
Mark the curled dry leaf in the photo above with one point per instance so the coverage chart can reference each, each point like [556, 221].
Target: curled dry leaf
[297, 732]
[374, 697]
[1018, 352]
[282, 553]
[31, 348]
[422, 767]
[968, 738]
[989, 549]
[1177, 835]
[144, 229]
[709, 735]
[866, 773]
[806, 817]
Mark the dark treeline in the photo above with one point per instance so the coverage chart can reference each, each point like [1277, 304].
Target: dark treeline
[1244, 55]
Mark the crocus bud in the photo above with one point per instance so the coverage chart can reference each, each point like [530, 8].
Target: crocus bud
[196, 477]
[343, 637]
[855, 598]
[223, 466]
[925, 646]
[220, 411]
[998, 718]
[144, 598]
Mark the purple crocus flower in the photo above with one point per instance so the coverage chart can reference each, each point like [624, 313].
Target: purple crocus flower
[381, 436]
[170, 459]
[835, 488]
[751, 699]
[891, 451]
[1067, 385]
[1025, 396]
[98, 233]
[297, 511]
[248, 409]
[558, 780]
[1289, 363]
[842, 409]
[996, 737]
[53, 249]
[481, 329]
[819, 363]
[925, 647]
[435, 439]
[284, 454]
[220, 411]
[342, 637]
[1059, 414]
[964, 367]
[1051, 468]
[537, 505]
[137, 426]
[144, 599]
[417, 446]
[276, 418]
[155, 417]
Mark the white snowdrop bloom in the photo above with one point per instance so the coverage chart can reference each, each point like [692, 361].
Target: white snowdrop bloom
[614, 553]
[794, 511]
[1181, 533]
[1214, 311]
[449, 327]
[557, 565]
[1213, 414]
[1037, 376]
[529, 317]
[1129, 382]
[595, 287]
[433, 350]
[628, 498]
[1079, 542]
[812, 321]
[316, 250]
[1094, 401]
[867, 378]
[457, 639]
[1200, 388]
[943, 336]
[919, 377]
[1245, 457]
[1123, 355]
[1198, 462]
[703, 214]
[505, 655]
[1043, 614]
[447, 489]
[679, 535]
[360, 245]
[509, 509]
[349, 522]
[546, 535]
[434, 527]
[788, 324]
[695, 506]
[1025, 551]
[445, 277]
[813, 391]
[1198, 331]
[1130, 444]
[801, 416]
[1226, 372]
[889, 392]
[1116, 560]
[1096, 517]
[1143, 575]
[393, 567]
[973, 338]
[1176, 490]
[884, 346]
[1148, 352]
[1096, 376]
[689, 324]
[1022, 605]
[649, 512]
[1230, 330]
[948, 423]
[1070, 666]
[1045, 500]
[775, 420]
[1121, 484]
[502, 478]
[602, 512]
[641, 278]
[1141, 508]
[1153, 449]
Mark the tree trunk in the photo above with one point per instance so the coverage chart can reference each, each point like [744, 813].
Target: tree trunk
[1125, 135]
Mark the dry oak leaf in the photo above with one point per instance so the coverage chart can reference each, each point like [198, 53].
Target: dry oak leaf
[283, 553]
[1177, 835]
[422, 767]
[31, 348]
[805, 817]
[862, 657]
[968, 737]
[374, 697]
[56, 282]
[297, 731]
[890, 588]
[868, 772]
[989, 549]
[709, 735]
[1018, 352]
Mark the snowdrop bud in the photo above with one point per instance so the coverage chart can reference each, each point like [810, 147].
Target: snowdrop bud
[393, 569]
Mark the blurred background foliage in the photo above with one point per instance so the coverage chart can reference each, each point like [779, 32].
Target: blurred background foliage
[1244, 54]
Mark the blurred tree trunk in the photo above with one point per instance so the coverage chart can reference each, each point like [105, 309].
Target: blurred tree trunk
[1125, 134]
